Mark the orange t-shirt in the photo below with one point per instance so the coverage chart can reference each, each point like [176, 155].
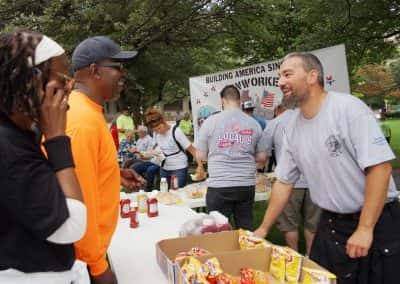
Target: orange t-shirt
[98, 173]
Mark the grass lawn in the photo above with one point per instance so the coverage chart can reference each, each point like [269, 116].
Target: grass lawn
[394, 124]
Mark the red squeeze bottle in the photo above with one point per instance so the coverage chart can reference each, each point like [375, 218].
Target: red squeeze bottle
[134, 218]
[152, 207]
[174, 182]
[125, 208]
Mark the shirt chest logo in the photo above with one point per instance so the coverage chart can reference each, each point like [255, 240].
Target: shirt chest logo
[334, 146]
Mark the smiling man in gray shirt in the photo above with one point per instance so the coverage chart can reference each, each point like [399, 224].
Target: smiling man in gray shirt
[232, 142]
[336, 142]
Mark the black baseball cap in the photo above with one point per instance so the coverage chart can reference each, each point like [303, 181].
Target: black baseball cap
[248, 105]
[95, 49]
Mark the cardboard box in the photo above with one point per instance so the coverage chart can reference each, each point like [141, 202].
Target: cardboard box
[224, 245]
[231, 263]
[166, 250]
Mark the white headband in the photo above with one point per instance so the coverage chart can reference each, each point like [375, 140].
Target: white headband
[46, 49]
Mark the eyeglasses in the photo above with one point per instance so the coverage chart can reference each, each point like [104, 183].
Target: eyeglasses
[116, 65]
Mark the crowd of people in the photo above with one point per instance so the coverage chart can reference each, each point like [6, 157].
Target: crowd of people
[62, 169]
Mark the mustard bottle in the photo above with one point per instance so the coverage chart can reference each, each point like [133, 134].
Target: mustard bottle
[142, 201]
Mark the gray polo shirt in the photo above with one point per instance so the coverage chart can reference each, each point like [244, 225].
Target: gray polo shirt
[274, 139]
[231, 138]
[332, 150]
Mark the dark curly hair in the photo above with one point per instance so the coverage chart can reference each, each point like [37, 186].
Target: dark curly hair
[17, 73]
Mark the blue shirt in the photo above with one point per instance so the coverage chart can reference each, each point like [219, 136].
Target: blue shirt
[260, 120]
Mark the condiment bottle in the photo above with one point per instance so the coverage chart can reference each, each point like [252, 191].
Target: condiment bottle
[163, 185]
[142, 201]
[174, 182]
[125, 205]
[152, 207]
[134, 218]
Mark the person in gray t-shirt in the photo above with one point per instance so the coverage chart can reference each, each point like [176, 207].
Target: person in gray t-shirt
[336, 142]
[232, 142]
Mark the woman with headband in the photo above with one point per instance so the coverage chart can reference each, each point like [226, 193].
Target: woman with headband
[41, 206]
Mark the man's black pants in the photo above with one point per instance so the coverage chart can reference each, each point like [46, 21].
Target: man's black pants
[380, 266]
[233, 200]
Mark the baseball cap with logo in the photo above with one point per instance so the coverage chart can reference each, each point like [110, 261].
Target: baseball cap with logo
[248, 105]
[95, 49]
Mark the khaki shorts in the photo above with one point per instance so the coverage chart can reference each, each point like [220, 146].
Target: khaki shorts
[299, 210]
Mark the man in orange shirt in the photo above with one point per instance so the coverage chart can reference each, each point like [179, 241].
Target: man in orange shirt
[99, 77]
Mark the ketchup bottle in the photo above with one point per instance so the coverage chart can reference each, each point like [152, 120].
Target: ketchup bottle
[174, 182]
[152, 207]
[125, 205]
[134, 218]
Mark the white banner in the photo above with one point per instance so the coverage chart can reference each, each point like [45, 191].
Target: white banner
[259, 83]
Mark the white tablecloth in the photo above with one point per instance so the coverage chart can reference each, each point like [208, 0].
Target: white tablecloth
[132, 252]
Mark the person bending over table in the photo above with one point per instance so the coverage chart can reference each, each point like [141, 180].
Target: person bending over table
[174, 145]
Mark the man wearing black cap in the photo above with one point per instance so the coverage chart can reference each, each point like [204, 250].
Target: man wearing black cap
[99, 77]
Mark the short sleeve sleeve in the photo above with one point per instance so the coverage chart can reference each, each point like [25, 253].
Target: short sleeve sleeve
[268, 134]
[202, 139]
[261, 143]
[120, 122]
[31, 194]
[369, 144]
[287, 170]
[182, 139]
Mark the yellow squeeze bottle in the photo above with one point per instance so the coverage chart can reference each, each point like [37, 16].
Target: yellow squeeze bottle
[142, 201]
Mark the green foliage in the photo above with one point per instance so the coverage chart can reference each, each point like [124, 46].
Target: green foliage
[361, 25]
